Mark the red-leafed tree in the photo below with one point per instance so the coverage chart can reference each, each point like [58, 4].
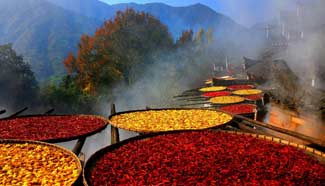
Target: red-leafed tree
[186, 38]
[117, 49]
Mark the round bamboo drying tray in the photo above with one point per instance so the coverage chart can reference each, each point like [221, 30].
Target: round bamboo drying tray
[11, 170]
[245, 92]
[35, 130]
[224, 100]
[91, 163]
[171, 119]
[212, 89]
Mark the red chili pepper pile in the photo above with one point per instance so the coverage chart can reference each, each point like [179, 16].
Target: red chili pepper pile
[240, 87]
[216, 94]
[254, 97]
[46, 128]
[206, 158]
[239, 108]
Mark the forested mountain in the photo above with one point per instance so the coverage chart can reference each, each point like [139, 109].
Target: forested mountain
[90, 8]
[42, 32]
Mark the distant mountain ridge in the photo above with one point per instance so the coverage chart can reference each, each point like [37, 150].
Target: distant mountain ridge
[90, 8]
[177, 19]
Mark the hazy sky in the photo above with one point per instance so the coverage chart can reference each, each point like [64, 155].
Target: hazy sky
[246, 12]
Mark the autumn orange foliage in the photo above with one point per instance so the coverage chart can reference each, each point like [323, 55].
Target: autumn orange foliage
[116, 48]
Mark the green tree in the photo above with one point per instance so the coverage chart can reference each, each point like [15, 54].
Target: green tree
[18, 84]
[67, 97]
[185, 39]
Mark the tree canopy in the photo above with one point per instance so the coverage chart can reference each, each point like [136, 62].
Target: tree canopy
[18, 84]
[117, 50]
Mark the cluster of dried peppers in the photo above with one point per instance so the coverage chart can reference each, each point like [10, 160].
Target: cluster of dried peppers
[216, 94]
[240, 87]
[239, 108]
[168, 120]
[206, 158]
[254, 97]
[49, 127]
[35, 164]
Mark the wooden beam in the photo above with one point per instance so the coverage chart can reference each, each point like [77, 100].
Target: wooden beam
[18, 112]
[285, 131]
[49, 111]
[2, 111]
[78, 146]
[115, 137]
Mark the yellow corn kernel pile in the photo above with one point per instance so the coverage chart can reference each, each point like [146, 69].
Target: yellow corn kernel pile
[214, 88]
[247, 92]
[226, 99]
[35, 164]
[168, 120]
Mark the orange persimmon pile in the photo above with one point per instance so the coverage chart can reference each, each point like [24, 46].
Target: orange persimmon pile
[168, 120]
[35, 164]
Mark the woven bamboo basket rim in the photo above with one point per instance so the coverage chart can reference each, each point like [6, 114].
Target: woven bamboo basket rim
[63, 139]
[320, 156]
[226, 78]
[57, 147]
[162, 109]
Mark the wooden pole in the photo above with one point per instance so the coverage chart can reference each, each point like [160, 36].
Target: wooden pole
[255, 114]
[263, 101]
[280, 130]
[49, 111]
[115, 137]
[2, 111]
[18, 112]
[78, 146]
